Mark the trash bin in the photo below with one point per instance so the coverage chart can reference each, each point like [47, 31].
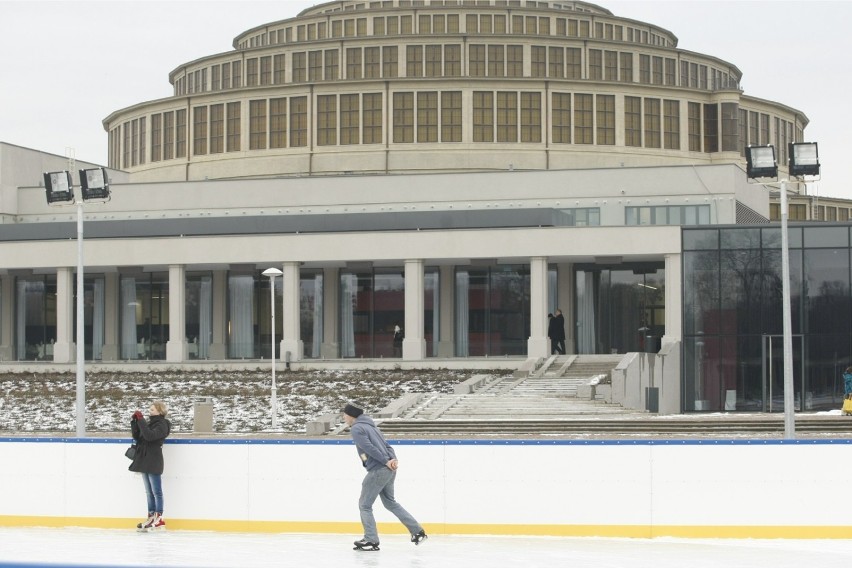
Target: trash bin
[652, 343]
[202, 415]
[652, 399]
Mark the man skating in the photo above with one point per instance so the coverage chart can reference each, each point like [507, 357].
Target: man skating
[380, 461]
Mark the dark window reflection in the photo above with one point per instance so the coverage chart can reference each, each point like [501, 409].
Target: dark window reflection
[732, 318]
[620, 310]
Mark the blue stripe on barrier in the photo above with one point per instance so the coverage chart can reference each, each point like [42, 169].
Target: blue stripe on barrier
[447, 442]
[35, 565]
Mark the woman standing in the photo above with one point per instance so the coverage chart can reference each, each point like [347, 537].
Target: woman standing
[847, 382]
[148, 461]
[846, 409]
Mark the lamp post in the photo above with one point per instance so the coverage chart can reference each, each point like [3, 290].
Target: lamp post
[94, 185]
[272, 273]
[803, 160]
[789, 409]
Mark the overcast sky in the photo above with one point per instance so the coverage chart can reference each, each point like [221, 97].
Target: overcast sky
[67, 65]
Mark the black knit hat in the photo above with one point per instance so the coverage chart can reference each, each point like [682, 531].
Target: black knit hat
[352, 410]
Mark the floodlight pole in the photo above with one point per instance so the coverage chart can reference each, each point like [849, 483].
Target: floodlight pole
[759, 166]
[81, 355]
[789, 410]
[65, 192]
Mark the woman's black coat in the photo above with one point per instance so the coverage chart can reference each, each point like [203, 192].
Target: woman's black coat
[149, 438]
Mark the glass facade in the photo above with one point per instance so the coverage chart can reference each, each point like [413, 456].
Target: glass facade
[93, 317]
[249, 334]
[619, 309]
[311, 310]
[372, 304]
[144, 315]
[492, 310]
[732, 317]
[35, 318]
[199, 314]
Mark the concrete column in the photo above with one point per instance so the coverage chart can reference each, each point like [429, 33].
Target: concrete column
[176, 347]
[110, 351]
[538, 344]
[219, 343]
[565, 301]
[414, 343]
[674, 292]
[64, 350]
[330, 348]
[446, 281]
[291, 340]
[7, 320]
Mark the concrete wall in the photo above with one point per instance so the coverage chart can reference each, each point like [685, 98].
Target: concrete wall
[389, 247]
[697, 489]
[639, 371]
[24, 167]
[610, 189]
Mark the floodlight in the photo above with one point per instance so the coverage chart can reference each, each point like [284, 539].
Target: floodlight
[94, 183]
[804, 159]
[760, 161]
[59, 186]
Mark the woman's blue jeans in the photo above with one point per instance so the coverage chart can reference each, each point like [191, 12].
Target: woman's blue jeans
[154, 489]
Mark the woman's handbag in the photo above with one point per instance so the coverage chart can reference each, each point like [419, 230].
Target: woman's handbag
[130, 452]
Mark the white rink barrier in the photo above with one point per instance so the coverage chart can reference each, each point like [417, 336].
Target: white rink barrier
[645, 489]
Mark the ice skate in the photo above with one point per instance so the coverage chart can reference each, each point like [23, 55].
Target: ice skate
[365, 545]
[144, 525]
[418, 538]
[154, 523]
[159, 524]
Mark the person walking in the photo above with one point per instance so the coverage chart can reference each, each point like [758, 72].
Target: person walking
[379, 459]
[148, 460]
[556, 332]
[550, 333]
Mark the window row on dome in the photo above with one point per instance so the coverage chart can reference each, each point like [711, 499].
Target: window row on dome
[384, 4]
[458, 23]
[445, 116]
[348, 6]
[452, 61]
[810, 211]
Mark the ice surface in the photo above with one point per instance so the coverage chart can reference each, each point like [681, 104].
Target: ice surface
[97, 547]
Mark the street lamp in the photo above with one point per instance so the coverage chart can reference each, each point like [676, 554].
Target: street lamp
[803, 160]
[94, 185]
[272, 273]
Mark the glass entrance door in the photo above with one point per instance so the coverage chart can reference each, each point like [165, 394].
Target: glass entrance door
[773, 373]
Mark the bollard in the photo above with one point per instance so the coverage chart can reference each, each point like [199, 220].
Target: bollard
[202, 415]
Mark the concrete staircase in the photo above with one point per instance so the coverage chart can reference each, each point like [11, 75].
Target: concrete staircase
[537, 401]
[549, 393]
[545, 403]
[564, 374]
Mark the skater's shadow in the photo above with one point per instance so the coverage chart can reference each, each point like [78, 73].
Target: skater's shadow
[384, 560]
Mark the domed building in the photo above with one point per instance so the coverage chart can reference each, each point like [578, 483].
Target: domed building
[455, 168]
[412, 86]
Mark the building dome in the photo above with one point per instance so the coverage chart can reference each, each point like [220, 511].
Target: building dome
[413, 86]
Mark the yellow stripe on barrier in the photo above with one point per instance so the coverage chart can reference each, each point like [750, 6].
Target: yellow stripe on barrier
[600, 531]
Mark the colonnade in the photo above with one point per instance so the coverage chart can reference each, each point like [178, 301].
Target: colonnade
[414, 345]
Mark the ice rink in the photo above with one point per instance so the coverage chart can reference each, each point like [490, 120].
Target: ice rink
[79, 547]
